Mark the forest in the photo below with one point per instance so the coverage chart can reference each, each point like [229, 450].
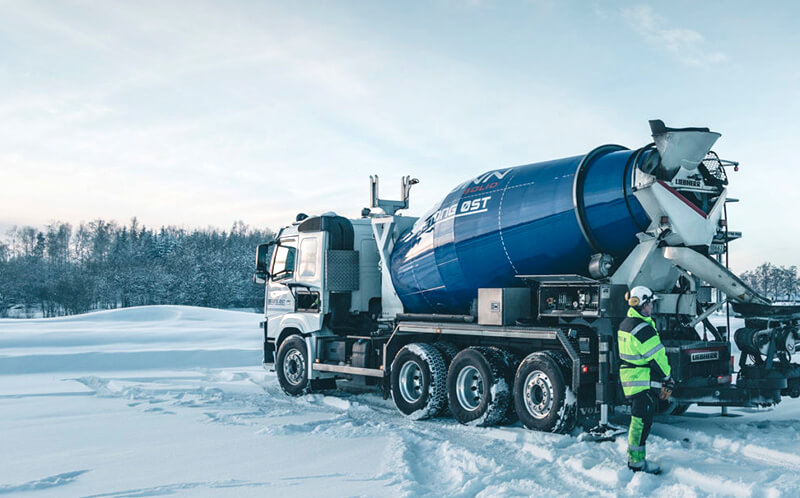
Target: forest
[62, 270]
[779, 283]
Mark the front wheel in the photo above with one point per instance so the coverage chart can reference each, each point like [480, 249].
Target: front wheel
[291, 365]
[542, 398]
[418, 381]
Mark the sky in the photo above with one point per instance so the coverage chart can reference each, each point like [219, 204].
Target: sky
[203, 113]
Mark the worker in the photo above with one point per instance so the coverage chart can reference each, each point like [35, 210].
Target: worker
[644, 367]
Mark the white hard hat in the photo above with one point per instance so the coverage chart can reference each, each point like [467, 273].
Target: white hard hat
[640, 295]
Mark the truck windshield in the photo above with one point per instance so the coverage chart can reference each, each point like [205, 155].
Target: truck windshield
[283, 263]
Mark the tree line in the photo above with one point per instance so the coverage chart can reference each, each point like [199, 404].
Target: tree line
[62, 270]
[776, 282]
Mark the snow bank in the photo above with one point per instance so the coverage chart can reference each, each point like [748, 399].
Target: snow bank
[140, 338]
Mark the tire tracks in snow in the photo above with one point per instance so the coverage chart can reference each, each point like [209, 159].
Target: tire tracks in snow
[442, 457]
[423, 457]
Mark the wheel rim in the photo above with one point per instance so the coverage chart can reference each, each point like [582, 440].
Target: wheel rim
[538, 394]
[469, 388]
[410, 380]
[294, 367]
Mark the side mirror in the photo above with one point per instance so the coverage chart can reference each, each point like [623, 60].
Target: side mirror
[262, 261]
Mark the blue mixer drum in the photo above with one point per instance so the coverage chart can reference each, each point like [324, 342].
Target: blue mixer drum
[545, 218]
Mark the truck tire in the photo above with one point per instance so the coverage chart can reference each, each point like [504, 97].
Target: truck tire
[477, 387]
[291, 365]
[418, 377]
[542, 398]
[448, 350]
[510, 361]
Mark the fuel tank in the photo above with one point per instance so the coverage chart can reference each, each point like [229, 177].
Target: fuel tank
[545, 218]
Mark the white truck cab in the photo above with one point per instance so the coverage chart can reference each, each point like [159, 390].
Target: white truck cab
[322, 278]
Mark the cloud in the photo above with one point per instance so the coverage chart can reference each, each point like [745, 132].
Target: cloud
[254, 115]
[687, 45]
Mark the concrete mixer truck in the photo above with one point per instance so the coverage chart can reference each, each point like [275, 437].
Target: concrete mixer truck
[502, 302]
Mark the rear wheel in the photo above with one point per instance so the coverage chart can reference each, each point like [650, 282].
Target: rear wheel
[448, 350]
[477, 389]
[542, 399]
[510, 363]
[418, 381]
[292, 366]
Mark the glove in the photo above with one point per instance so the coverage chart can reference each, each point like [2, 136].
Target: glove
[667, 386]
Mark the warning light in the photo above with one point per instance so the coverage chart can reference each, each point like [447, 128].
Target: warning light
[585, 369]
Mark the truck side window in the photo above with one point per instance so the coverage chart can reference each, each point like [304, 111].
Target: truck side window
[283, 264]
[308, 258]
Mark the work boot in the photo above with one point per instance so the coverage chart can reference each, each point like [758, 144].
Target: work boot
[645, 466]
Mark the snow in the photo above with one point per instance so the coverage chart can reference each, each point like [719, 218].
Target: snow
[172, 400]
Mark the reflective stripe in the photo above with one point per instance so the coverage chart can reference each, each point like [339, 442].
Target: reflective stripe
[652, 352]
[636, 465]
[655, 384]
[631, 357]
[646, 356]
[638, 328]
[636, 383]
[637, 448]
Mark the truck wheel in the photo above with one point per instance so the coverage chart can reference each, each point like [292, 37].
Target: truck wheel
[292, 366]
[418, 381]
[510, 367]
[542, 399]
[448, 350]
[477, 388]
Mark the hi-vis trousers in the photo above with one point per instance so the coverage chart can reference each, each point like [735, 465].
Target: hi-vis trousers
[643, 408]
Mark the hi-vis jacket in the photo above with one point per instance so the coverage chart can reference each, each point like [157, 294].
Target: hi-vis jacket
[640, 349]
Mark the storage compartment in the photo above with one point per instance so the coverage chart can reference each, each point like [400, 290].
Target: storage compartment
[699, 361]
[503, 306]
[334, 351]
[362, 354]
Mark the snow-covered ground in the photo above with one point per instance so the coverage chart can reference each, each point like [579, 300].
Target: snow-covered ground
[172, 400]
